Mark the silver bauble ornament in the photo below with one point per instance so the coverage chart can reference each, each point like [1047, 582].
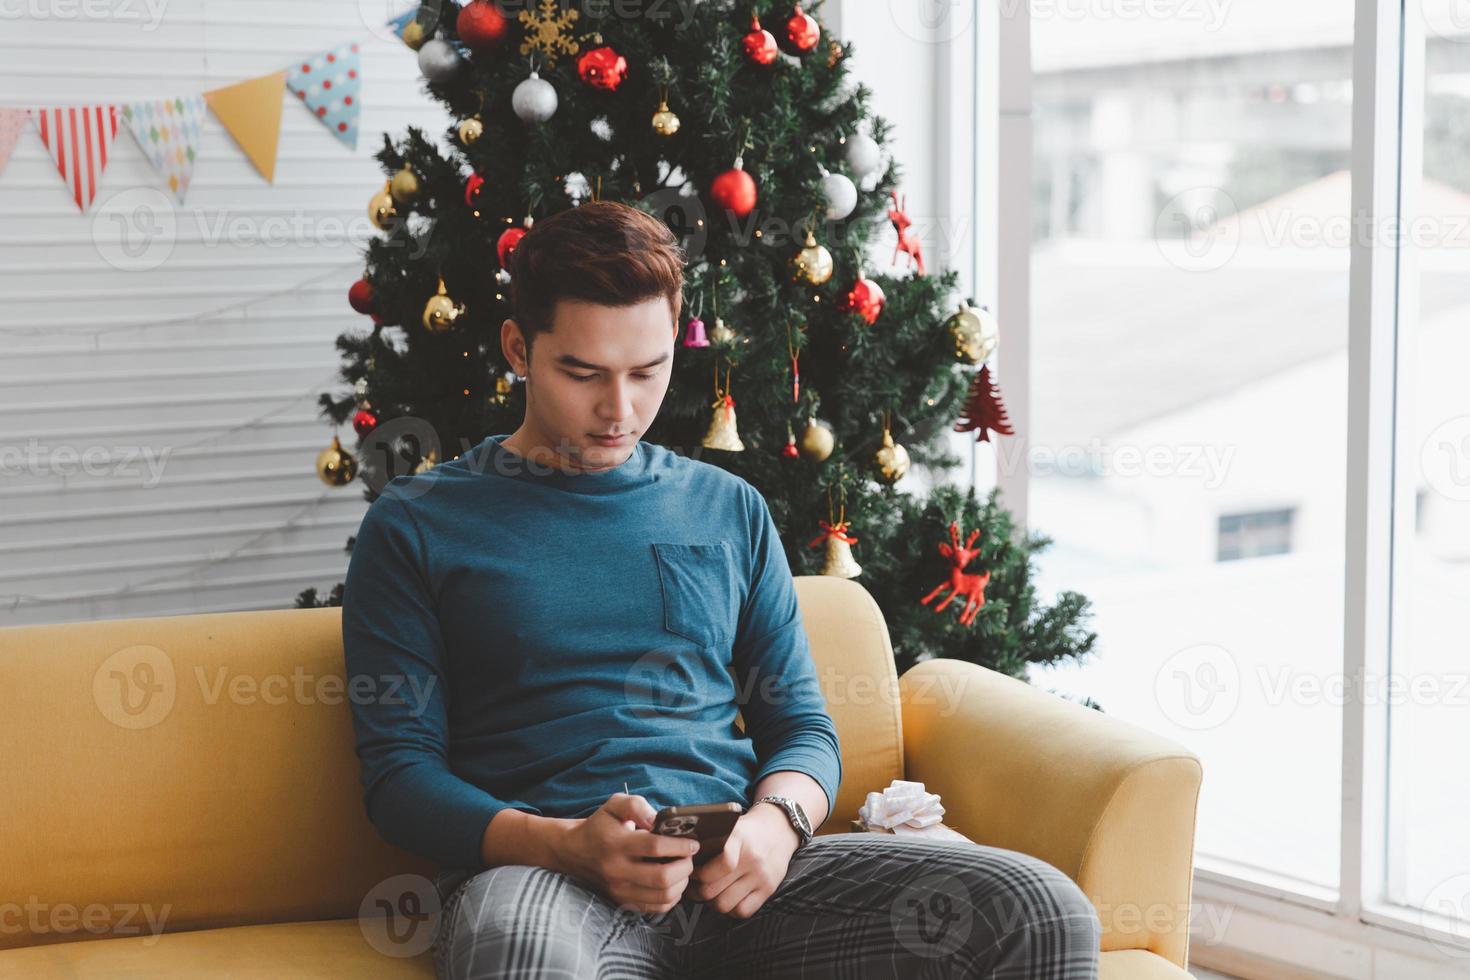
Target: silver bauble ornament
[534, 100]
[863, 155]
[438, 61]
[841, 194]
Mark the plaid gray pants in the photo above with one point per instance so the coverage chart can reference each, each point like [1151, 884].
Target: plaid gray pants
[851, 905]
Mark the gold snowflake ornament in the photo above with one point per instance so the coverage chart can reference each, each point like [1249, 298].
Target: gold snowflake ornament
[546, 31]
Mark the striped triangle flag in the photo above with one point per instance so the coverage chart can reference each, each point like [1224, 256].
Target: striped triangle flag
[329, 84]
[167, 131]
[80, 140]
[12, 121]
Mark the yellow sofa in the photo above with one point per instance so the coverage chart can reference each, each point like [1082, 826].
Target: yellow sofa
[180, 796]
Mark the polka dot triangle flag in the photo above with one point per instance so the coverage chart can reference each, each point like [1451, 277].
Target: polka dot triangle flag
[168, 130]
[80, 141]
[329, 85]
[12, 121]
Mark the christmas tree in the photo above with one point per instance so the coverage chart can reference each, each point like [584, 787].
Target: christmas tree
[737, 126]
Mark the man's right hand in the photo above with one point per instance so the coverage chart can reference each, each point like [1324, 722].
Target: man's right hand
[608, 850]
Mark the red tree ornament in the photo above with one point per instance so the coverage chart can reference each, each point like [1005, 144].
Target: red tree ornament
[802, 31]
[360, 296]
[983, 410]
[602, 68]
[734, 190]
[865, 298]
[759, 44]
[472, 191]
[364, 421]
[506, 244]
[972, 587]
[481, 25]
[908, 242]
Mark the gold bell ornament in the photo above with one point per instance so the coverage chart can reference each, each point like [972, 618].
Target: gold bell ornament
[381, 210]
[722, 432]
[665, 123]
[813, 263]
[471, 129]
[440, 311]
[892, 460]
[975, 333]
[404, 187]
[817, 441]
[336, 466]
[839, 549]
[502, 391]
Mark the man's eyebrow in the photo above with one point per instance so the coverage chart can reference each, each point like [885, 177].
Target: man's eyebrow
[577, 362]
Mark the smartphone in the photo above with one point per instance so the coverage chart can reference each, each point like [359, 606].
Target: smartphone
[708, 823]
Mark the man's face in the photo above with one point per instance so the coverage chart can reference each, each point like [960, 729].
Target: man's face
[600, 369]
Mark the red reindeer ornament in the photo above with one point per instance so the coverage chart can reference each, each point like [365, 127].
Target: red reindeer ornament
[908, 242]
[972, 587]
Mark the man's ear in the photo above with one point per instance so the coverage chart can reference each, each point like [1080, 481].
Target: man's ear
[513, 346]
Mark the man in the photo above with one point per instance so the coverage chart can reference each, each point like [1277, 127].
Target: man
[585, 613]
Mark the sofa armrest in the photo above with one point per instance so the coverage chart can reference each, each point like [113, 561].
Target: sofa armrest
[1105, 801]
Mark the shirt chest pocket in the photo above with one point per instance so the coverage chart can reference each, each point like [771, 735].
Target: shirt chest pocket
[701, 593]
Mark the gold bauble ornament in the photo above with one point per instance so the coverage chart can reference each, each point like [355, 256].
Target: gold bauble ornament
[813, 263]
[430, 460]
[665, 123]
[440, 311]
[404, 187]
[502, 391]
[892, 460]
[976, 334]
[722, 432]
[381, 210]
[471, 130]
[336, 466]
[817, 441]
[721, 333]
[414, 35]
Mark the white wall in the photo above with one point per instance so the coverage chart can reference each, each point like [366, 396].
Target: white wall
[211, 361]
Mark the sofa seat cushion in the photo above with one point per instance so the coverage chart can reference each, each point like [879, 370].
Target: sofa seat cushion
[1138, 964]
[290, 949]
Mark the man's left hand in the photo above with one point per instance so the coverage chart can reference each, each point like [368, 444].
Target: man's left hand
[739, 879]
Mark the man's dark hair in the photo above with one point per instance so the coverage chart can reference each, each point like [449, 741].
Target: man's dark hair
[601, 252]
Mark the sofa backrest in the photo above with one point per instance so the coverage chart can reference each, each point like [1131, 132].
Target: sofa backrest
[198, 771]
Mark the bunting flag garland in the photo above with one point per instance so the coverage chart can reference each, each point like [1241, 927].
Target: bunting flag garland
[80, 140]
[12, 121]
[328, 84]
[251, 111]
[167, 131]
[401, 21]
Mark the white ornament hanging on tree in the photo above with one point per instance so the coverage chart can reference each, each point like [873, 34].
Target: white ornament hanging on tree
[863, 154]
[438, 61]
[534, 100]
[841, 194]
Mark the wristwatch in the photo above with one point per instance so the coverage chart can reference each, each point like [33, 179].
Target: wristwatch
[795, 814]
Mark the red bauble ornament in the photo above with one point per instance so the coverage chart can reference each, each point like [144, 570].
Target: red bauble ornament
[364, 421]
[802, 31]
[481, 25]
[602, 68]
[472, 190]
[789, 451]
[378, 320]
[760, 44]
[734, 190]
[865, 298]
[360, 296]
[506, 244]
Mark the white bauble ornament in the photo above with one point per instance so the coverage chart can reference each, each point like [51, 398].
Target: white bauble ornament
[534, 100]
[438, 61]
[842, 196]
[863, 155]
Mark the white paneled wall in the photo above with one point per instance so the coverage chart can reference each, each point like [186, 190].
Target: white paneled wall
[158, 419]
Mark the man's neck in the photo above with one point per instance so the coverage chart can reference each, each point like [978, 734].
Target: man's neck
[529, 445]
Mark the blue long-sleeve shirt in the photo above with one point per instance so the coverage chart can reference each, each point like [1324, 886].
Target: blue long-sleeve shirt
[519, 636]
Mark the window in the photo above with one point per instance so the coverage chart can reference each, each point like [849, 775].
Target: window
[1266, 532]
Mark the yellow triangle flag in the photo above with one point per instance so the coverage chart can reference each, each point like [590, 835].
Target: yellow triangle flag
[251, 111]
